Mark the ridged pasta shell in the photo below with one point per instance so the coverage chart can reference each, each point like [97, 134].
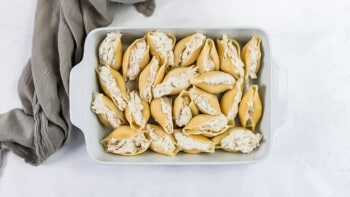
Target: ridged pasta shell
[184, 108]
[161, 44]
[250, 108]
[110, 51]
[208, 59]
[193, 143]
[251, 56]
[137, 111]
[161, 72]
[125, 141]
[107, 113]
[161, 110]
[187, 50]
[113, 85]
[207, 103]
[206, 125]
[238, 139]
[230, 102]
[153, 73]
[135, 58]
[214, 82]
[161, 142]
[175, 81]
[230, 57]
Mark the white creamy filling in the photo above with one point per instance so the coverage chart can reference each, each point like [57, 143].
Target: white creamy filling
[188, 143]
[109, 81]
[147, 91]
[163, 45]
[241, 140]
[180, 81]
[184, 117]
[128, 146]
[203, 104]
[255, 54]
[224, 78]
[136, 56]
[191, 46]
[166, 109]
[234, 109]
[98, 106]
[232, 53]
[108, 47]
[215, 125]
[208, 64]
[165, 142]
[136, 109]
[250, 111]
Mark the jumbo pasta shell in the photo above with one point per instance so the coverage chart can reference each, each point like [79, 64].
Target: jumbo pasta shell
[194, 143]
[175, 81]
[110, 51]
[137, 111]
[184, 108]
[187, 50]
[135, 58]
[238, 139]
[150, 75]
[207, 103]
[161, 142]
[230, 57]
[206, 125]
[107, 113]
[250, 108]
[125, 141]
[230, 101]
[251, 56]
[113, 85]
[214, 82]
[161, 44]
[208, 59]
[161, 110]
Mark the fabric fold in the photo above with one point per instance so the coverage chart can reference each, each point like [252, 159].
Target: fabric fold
[43, 125]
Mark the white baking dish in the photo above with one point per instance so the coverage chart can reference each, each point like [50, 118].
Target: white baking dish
[83, 83]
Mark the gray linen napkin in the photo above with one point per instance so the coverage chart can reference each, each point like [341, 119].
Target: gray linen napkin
[43, 125]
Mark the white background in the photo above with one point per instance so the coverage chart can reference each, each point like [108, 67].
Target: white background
[310, 153]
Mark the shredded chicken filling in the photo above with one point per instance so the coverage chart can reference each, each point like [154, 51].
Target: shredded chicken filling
[236, 100]
[163, 141]
[136, 56]
[250, 112]
[99, 107]
[166, 109]
[128, 146]
[110, 83]
[180, 81]
[224, 78]
[255, 54]
[108, 47]
[203, 103]
[196, 42]
[147, 91]
[163, 45]
[232, 53]
[241, 140]
[188, 143]
[136, 109]
[215, 125]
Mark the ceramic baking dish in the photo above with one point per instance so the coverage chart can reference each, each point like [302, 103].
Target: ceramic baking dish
[83, 83]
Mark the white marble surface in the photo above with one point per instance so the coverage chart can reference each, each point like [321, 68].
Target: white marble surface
[310, 151]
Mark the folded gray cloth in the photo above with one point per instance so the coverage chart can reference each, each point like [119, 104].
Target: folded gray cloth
[43, 125]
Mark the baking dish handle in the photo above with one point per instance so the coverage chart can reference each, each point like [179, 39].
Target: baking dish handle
[280, 91]
[75, 84]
